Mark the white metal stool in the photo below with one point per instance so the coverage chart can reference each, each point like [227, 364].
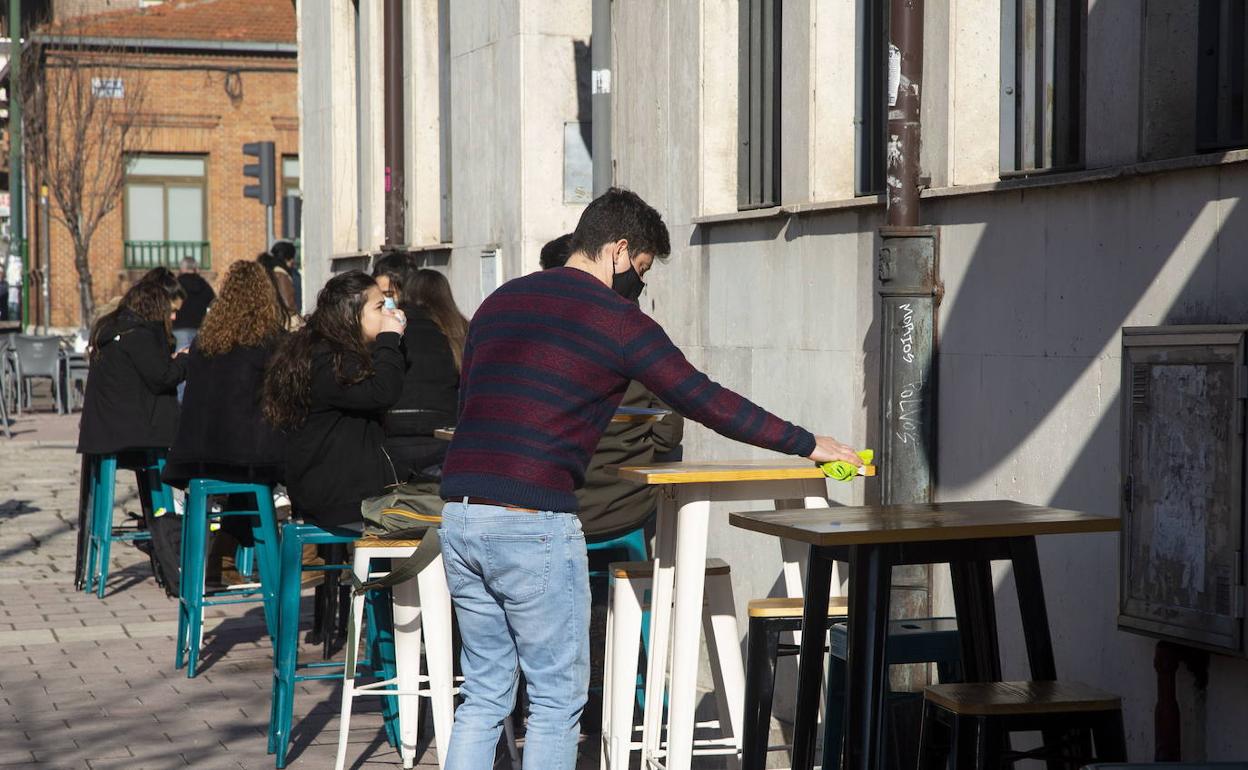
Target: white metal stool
[422, 609]
[629, 583]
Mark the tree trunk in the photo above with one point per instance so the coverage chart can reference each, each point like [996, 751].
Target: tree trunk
[86, 299]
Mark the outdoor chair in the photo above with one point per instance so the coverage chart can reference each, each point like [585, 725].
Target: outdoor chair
[37, 357]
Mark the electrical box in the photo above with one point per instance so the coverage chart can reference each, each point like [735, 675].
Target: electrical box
[1183, 398]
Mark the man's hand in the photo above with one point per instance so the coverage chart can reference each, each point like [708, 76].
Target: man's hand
[828, 449]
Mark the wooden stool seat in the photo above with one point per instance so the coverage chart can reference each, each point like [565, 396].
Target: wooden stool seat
[1008, 698]
[645, 569]
[1079, 725]
[372, 541]
[782, 607]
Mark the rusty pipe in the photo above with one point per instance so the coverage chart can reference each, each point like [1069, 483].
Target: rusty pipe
[905, 79]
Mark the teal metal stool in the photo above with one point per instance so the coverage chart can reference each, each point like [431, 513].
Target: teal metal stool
[195, 527]
[916, 640]
[286, 665]
[103, 472]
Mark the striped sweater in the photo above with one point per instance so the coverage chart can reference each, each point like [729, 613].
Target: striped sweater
[547, 360]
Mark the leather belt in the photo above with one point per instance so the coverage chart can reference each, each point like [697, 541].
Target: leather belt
[495, 504]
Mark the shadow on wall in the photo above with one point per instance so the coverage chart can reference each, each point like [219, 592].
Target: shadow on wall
[1030, 369]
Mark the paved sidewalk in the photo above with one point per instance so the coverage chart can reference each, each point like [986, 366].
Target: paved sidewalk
[90, 683]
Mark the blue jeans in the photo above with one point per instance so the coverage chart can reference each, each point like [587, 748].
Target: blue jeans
[184, 338]
[520, 585]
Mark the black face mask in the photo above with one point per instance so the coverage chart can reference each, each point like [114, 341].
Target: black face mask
[628, 284]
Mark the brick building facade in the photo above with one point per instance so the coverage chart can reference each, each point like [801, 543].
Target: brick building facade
[217, 74]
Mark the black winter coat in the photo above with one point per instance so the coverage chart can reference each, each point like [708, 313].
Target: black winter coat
[430, 397]
[223, 434]
[132, 398]
[337, 458]
[199, 295]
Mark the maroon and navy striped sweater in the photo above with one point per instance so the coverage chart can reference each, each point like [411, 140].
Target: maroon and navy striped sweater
[546, 363]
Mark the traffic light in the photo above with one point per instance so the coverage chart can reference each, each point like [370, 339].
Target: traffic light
[263, 171]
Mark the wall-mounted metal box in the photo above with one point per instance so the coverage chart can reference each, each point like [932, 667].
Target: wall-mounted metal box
[1183, 396]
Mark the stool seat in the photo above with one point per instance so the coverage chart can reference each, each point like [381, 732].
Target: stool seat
[372, 541]
[782, 607]
[645, 569]
[1009, 698]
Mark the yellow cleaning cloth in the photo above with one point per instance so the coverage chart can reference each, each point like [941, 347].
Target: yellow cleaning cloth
[843, 471]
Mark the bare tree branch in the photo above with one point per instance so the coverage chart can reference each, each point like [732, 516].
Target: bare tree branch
[79, 106]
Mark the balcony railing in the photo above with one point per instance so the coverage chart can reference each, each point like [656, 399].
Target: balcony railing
[144, 255]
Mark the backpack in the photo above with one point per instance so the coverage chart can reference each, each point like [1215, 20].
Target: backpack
[410, 511]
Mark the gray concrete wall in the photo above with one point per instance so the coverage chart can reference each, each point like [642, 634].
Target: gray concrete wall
[1039, 281]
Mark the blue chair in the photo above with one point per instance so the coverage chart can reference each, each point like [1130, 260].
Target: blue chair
[195, 527]
[100, 536]
[286, 665]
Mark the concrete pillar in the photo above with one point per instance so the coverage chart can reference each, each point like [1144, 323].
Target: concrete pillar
[328, 137]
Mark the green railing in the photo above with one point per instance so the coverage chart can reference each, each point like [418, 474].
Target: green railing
[144, 255]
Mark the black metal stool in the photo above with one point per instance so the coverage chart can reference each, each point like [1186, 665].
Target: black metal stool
[768, 619]
[972, 722]
[910, 640]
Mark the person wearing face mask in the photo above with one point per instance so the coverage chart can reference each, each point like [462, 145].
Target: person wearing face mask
[547, 360]
[610, 506]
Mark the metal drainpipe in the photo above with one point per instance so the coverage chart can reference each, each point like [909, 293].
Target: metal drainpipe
[909, 289]
[908, 283]
[396, 187]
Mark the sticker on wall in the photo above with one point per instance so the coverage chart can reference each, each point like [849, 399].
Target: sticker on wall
[894, 73]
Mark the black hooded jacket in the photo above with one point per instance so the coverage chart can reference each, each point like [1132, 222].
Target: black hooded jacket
[132, 398]
[337, 458]
[223, 434]
[199, 295]
[430, 397]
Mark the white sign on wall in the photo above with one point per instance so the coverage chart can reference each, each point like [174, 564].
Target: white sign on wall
[108, 88]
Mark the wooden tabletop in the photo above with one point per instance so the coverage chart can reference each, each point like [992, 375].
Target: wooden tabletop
[623, 414]
[780, 469]
[876, 524]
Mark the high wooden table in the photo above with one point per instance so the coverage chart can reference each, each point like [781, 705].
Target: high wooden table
[966, 535]
[687, 490]
[623, 414]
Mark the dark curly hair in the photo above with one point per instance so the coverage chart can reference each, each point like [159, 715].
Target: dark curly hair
[334, 326]
[247, 312]
[150, 299]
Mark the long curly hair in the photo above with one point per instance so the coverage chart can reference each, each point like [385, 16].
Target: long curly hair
[429, 289]
[150, 299]
[334, 327]
[245, 313]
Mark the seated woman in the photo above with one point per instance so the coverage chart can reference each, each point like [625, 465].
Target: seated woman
[328, 387]
[130, 408]
[433, 346]
[223, 434]
[131, 401]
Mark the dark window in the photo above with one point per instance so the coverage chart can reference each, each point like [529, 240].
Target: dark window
[758, 161]
[1042, 85]
[1221, 72]
[871, 112]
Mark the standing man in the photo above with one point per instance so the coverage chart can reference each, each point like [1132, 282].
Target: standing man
[547, 361]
